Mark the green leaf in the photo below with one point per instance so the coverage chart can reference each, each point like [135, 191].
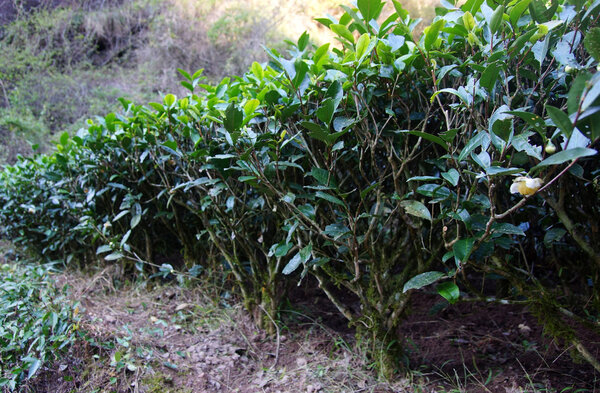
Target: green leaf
[561, 120]
[335, 230]
[369, 9]
[135, 220]
[566, 155]
[320, 56]
[576, 91]
[320, 175]
[361, 46]
[169, 100]
[64, 139]
[257, 70]
[367, 190]
[452, 176]
[539, 12]
[496, 20]
[416, 208]
[553, 235]
[342, 31]
[157, 107]
[234, 118]
[532, 119]
[103, 248]
[335, 92]
[113, 256]
[472, 6]
[430, 137]
[251, 106]
[433, 32]
[592, 93]
[330, 198]
[592, 42]
[462, 250]
[316, 131]
[301, 257]
[33, 368]
[507, 229]
[326, 110]
[423, 178]
[449, 291]
[280, 250]
[185, 74]
[517, 10]
[303, 41]
[471, 145]
[421, 280]
[489, 76]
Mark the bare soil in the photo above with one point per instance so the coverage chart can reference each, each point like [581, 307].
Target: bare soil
[183, 340]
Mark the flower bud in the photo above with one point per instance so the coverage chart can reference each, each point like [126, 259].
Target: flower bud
[550, 148]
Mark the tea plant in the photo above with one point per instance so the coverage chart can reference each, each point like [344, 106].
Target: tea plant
[36, 323]
[379, 167]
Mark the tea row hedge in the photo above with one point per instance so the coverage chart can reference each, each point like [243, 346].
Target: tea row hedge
[465, 157]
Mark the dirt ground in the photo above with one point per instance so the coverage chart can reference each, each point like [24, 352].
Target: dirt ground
[170, 339]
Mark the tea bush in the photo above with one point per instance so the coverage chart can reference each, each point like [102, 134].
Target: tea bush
[36, 324]
[380, 166]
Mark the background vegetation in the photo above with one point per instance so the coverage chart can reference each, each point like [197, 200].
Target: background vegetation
[63, 62]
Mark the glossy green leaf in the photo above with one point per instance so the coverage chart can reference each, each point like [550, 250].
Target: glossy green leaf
[300, 258]
[422, 280]
[362, 44]
[251, 106]
[490, 76]
[416, 208]
[433, 32]
[592, 43]
[169, 100]
[234, 118]
[64, 138]
[561, 120]
[576, 92]
[369, 9]
[430, 137]
[449, 291]
[342, 31]
[565, 156]
[507, 229]
[496, 20]
[330, 198]
[553, 235]
[452, 176]
[517, 10]
[33, 368]
[462, 250]
[326, 110]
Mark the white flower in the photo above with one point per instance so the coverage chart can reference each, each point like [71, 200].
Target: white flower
[525, 185]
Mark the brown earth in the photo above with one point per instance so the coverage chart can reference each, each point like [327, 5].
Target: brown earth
[182, 340]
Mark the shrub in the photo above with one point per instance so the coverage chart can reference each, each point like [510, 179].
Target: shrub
[36, 324]
[378, 167]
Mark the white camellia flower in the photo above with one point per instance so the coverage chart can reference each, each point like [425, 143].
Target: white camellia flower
[525, 185]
